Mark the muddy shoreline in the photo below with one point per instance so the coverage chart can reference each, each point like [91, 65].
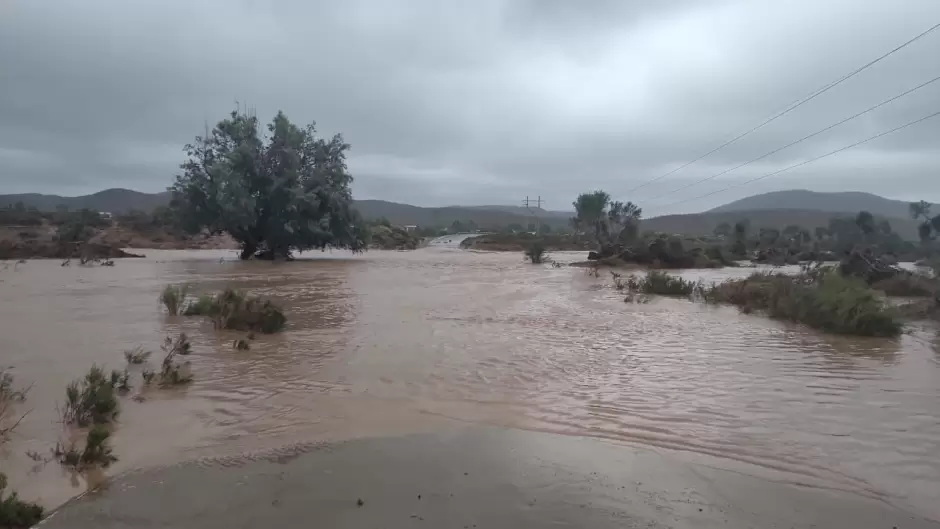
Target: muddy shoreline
[468, 477]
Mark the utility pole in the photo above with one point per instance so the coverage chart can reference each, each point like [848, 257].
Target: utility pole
[538, 205]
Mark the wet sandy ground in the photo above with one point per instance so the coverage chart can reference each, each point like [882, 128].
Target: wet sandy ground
[468, 477]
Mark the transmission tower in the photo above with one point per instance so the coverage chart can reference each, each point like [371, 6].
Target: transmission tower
[538, 205]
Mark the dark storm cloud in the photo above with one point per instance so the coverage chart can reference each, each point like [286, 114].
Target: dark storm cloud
[475, 102]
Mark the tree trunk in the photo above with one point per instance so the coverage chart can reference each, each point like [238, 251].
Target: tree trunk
[248, 250]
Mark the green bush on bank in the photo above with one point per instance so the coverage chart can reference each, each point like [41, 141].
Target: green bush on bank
[14, 512]
[660, 283]
[828, 301]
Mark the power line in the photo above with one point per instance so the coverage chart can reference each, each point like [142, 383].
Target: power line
[791, 107]
[811, 160]
[804, 138]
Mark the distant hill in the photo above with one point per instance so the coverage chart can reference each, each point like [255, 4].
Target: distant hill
[110, 200]
[522, 210]
[122, 200]
[772, 210]
[705, 223]
[483, 216]
[849, 202]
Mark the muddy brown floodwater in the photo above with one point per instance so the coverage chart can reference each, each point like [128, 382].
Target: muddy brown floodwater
[389, 343]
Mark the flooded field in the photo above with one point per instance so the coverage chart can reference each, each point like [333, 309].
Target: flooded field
[392, 342]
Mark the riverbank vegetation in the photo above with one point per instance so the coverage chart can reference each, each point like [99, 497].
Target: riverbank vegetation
[825, 300]
[823, 297]
[236, 310]
[14, 512]
[907, 285]
[614, 228]
[382, 235]
[657, 282]
[275, 195]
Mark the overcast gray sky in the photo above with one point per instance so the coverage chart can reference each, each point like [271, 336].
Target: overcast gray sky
[456, 102]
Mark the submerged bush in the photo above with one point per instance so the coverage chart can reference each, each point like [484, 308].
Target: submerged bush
[201, 307]
[661, 283]
[829, 302]
[137, 355]
[536, 253]
[172, 372]
[9, 397]
[14, 512]
[173, 297]
[92, 399]
[236, 310]
[97, 451]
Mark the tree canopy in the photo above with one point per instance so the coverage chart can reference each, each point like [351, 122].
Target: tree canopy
[930, 225]
[276, 194]
[606, 219]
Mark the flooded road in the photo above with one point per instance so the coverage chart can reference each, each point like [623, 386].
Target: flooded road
[391, 343]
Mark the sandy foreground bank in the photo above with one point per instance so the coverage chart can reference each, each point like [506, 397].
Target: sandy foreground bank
[471, 477]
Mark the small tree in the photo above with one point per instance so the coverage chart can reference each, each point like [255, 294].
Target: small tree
[865, 222]
[920, 210]
[723, 230]
[535, 253]
[930, 225]
[288, 191]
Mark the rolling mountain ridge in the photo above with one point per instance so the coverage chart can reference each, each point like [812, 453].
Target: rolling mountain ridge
[802, 199]
[778, 209]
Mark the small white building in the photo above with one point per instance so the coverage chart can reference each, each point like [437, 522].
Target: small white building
[411, 227]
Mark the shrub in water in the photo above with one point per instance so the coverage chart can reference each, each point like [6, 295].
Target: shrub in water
[15, 513]
[172, 372]
[136, 356]
[236, 310]
[173, 297]
[9, 397]
[201, 307]
[535, 253]
[97, 451]
[661, 283]
[92, 399]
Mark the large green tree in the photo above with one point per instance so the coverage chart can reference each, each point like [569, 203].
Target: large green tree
[286, 191]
